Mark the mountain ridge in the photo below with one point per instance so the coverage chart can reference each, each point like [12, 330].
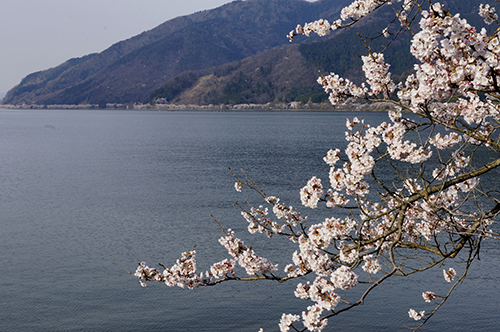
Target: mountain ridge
[130, 70]
[236, 53]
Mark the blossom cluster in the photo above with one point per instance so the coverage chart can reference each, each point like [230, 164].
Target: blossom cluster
[286, 321]
[446, 141]
[488, 13]
[321, 27]
[312, 318]
[180, 274]
[371, 264]
[222, 268]
[416, 315]
[343, 278]
[341, 90]
[377, 74]
[258, 222]
[429, 296]
[359, 9]
[246, 257]
[291, 216]
[311, 193]
[183, 273]
[360, 161]
[321, 291]
[352, 13]
[449, 274]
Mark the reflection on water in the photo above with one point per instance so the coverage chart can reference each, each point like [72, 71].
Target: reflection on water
[85, 195]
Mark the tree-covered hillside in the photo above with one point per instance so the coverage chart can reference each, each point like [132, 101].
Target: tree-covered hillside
[236, 53]
[131, 70]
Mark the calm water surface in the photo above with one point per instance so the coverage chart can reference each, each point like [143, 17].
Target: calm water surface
[86, 195]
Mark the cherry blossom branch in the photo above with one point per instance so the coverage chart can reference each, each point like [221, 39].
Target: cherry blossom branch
[429, 213]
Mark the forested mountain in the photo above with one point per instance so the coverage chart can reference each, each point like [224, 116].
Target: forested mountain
[131, 70]
[237, 53]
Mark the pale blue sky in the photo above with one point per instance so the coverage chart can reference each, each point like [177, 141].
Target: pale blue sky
[40, 34]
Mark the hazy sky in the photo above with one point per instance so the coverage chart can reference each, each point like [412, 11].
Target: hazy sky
[40, 34]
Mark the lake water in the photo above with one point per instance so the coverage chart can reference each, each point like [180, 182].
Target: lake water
[86, 195]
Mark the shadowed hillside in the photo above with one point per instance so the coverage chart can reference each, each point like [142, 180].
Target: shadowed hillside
[131, 70]
[237, 53]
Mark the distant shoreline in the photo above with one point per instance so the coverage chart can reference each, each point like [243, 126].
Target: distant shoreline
[293, 106]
